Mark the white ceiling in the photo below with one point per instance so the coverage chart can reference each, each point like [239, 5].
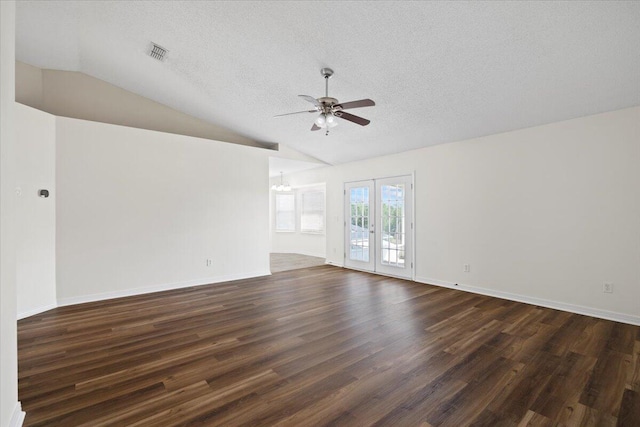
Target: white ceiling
[438, 71]
[288, 166]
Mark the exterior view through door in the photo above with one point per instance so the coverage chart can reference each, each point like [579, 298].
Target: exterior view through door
[379, 217]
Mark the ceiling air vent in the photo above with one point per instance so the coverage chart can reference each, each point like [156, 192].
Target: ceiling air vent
[157, 52]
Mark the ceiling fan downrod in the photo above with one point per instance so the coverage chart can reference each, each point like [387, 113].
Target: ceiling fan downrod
[326, 73]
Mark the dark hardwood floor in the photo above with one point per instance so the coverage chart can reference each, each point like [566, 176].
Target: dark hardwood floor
[325, 346]
[289, 261]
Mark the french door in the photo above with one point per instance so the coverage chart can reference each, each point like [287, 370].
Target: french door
[379, 226]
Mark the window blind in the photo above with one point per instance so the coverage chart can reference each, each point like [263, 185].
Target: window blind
[285, 212]
[312, 211]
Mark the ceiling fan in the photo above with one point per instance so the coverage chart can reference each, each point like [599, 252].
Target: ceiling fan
[330, 109]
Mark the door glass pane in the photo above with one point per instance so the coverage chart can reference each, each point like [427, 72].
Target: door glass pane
[359, 235]
[393, 233]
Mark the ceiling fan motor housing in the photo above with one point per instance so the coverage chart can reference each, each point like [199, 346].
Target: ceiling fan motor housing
[327, 104]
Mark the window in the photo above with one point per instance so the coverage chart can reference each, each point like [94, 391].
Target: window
[285, 212]
[312, 211]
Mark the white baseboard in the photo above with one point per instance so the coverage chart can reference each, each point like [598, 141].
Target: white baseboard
[17, 418]
[335, 264]
[158, 288]
[36, 310]
[572, 308]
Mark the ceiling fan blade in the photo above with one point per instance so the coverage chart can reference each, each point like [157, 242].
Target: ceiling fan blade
[315, 127]
[297, 112]
[311, 99]
[352, 118]
[357, 104]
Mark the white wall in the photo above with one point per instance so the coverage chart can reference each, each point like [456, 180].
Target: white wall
[36, 228]
[545, 214]
[10, 413]
[29, 81]
[299, 243]
[139, 210]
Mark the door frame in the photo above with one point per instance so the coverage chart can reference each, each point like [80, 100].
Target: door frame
[347, 222]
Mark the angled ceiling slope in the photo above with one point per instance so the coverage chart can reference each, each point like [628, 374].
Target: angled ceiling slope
[80, 96]
[438, 71]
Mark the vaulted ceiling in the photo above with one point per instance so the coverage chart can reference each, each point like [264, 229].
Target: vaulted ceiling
[438, 71]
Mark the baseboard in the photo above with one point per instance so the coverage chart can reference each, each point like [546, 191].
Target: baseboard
[158, 288]
[335, 264]
[17, 418]
[37, 310]
[572, 308]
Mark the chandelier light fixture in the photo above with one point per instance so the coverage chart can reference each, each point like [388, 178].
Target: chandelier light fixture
[282, 186]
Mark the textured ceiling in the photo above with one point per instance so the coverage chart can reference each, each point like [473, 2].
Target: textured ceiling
[438, 71]
[287, 166]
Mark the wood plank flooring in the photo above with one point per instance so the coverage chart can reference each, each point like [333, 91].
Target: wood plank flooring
[287, 261]
[325, 346]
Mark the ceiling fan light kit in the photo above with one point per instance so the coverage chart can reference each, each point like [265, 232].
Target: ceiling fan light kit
[330, 108]
[326, 120]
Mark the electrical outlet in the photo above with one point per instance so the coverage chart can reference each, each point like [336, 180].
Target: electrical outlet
[209, 262]
[607, 288]
[466, 268]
